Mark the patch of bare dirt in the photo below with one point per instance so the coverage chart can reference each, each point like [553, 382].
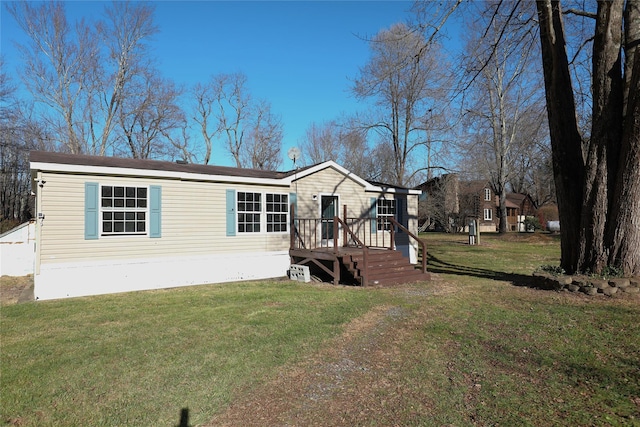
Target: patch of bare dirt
[350, 380]
[16, 289]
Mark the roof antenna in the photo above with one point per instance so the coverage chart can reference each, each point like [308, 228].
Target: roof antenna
[294, 154]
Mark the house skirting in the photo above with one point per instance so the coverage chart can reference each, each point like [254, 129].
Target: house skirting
[16, 259]
[64, 280]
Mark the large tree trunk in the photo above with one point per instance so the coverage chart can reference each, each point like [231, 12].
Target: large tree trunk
[568, 166]
[624, 228]
[606, 133]
[604, 228]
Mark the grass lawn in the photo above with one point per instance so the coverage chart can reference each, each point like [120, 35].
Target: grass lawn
[479, 351]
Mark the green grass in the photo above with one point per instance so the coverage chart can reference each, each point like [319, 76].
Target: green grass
[480, 346]
[508, 355]
[139, 358]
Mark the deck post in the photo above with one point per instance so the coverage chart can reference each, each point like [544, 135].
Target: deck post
[392, 232]
[365, 261]
[336, 259]
[344, 229]
[292, 227]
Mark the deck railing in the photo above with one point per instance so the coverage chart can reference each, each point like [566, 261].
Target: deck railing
[423, 245]
[362, 232]
[350, 236]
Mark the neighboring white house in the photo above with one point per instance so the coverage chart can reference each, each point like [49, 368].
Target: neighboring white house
[17, 250]
[109, 225]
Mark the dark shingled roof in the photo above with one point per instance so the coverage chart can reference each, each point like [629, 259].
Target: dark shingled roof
[117, 162]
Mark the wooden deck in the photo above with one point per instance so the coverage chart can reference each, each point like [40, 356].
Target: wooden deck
[349, 260]
[347, 265]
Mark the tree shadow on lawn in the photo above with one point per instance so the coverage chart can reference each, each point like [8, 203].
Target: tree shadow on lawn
[436, 265]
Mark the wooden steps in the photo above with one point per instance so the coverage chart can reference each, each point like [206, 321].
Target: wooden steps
[385, 267]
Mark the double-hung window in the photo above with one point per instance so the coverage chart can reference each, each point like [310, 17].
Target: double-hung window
[124, 210]
[249, 212]
[487, 194]
[277, 209]
[488, 214]
[386, 210]
[259, 212]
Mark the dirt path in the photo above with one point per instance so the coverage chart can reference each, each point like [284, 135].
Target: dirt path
[351, 380]
[14, 290]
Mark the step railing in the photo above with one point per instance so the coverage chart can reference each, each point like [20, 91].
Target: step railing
[423, 245]
[349, 235]
[363, 233]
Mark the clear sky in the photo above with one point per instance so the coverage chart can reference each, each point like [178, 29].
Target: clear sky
[298, 55]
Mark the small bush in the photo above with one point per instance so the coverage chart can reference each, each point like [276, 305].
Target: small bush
[555, 270]
[532, 223]
[611, 271]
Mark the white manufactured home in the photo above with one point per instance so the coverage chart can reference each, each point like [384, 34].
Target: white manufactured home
[107, 225]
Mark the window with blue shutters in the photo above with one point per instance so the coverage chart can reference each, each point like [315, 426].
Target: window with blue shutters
[252, 212]
[122, 210]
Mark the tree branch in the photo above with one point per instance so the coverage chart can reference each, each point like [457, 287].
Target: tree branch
[579, 12]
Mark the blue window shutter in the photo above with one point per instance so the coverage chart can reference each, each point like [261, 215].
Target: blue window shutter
[155, 211]
[293, 200]
[373, 213]
[231, 212]
[91, 224]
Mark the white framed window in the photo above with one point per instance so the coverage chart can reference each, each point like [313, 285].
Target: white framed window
[257, 212]
[487, 194]
[277, 206]
[386, 209]
[249, 210]
[488, 214]
[123, 210]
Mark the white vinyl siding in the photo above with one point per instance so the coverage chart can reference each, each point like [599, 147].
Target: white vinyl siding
[193, 216]
[351, 193]
[193, 222]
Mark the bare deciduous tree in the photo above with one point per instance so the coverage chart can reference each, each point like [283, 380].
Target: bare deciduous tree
[19, 133]
[504, 94]
[251, 132]
[405, 77]
[357, 156]
[322, 142]
[84, 83]
[344, 141]
[203, 115]
[224, 108]
[57, 67]
[125, 30]
[149, 116]
[264, 142]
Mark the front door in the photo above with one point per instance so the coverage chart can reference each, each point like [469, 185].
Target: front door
[328, 209]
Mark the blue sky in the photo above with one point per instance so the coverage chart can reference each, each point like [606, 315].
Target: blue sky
[298, 55]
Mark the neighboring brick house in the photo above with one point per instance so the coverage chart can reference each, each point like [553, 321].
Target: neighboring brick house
[477, 200]
[519, 206]
[448, 203]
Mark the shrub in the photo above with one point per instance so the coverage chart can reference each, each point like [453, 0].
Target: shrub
[555, 270]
